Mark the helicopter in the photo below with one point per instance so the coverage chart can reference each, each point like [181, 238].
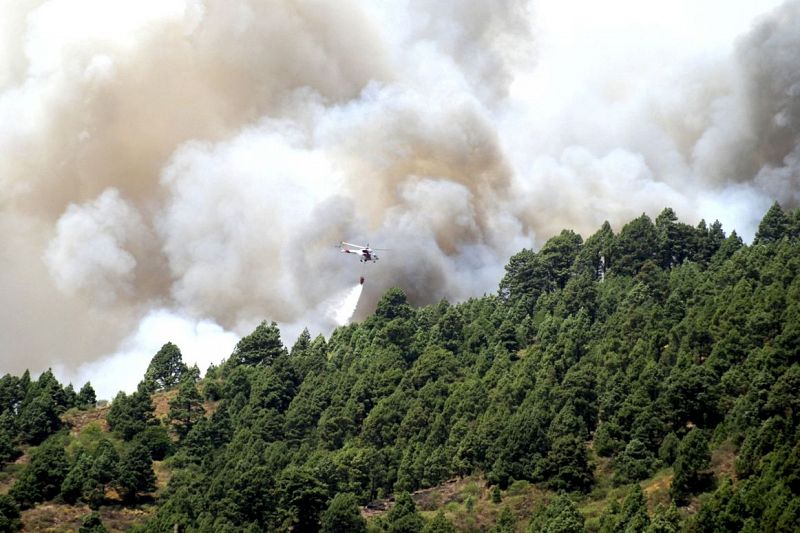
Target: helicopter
[365, 253]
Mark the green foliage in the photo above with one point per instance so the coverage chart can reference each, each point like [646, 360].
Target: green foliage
[343, 515]
[78, 475]
[560, 516]
[668, 450]
[135, 472]
[302, 498]
[558, 254]
[8, 451]
[526, 279]
[86, 396]
[42, 477]
[608, 439]
[166, 369]
[130, 415]
[568, 465]
[157, 441]
[635, 244]
[404, 517]
[9, 514]
[261, 347]
[39, 418]
[439, 524]
[633, 516]
[505, 522]
[694, 395]
[665, 520]
[393, 304]
[186, 409]
[617, 346]
[690, 464]
[92, 524]
[774, 226]
[106, 462]
[634, 463]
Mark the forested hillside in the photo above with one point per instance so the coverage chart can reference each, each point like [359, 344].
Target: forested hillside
[600, 363]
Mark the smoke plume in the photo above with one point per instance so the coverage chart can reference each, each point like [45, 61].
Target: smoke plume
[193, 161]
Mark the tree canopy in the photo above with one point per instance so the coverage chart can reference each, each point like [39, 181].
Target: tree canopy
[623, 354]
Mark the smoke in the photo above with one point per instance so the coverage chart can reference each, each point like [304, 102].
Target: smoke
[201, 343]
[192, 162]
[89, 252]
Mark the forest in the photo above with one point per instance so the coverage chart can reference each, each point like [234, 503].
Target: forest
[660, 355]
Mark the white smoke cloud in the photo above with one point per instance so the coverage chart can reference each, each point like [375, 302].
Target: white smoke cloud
[204, 156]
[201, 343]
[90, 250]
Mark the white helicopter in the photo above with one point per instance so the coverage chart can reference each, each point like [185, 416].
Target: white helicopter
[365, 253]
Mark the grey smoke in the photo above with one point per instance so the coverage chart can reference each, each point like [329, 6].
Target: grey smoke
[201, 158]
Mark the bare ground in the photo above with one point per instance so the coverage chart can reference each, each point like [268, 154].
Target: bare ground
[56, 517]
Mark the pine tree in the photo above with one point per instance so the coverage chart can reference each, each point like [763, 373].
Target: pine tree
[92, 524]
[560, 516]
[79, 473]
[635, 244]
[186, 408]
[496, 494]
[558, 254]
[525, 280]
[693, 458]
[86, 396]
[393, 304]
[439, 524]
[343, 515]
[105, 464]
[157, 440]
[773, 227]
[505, 522]
[39, 418]
[634, 463]
[130, 415]
[634, 512]
[302, 498]
[669, 448]
[259, 348]
[666, 520]
[567, 464]
[42, 477]
[135, 472]
[8, 451]
[595, 256]
[166, 369]
[403, 517]
[302, 344]
[9, 514]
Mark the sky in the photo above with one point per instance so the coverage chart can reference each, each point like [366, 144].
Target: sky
[179, 170]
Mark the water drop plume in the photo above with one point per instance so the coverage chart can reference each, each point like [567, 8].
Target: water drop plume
[345, 305]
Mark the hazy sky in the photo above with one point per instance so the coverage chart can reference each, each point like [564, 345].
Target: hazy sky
[178, 170]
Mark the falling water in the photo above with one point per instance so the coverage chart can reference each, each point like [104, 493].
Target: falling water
[344, 304]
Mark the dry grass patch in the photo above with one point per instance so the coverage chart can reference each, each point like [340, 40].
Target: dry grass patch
[7, 479]
[163, 475]
[77, 420]
[656, 489]
[57, 517]
[467, 503]
[161, 402]
[723, 460]
[52, 517]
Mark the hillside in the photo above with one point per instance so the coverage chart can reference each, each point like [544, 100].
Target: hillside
[644, 380]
